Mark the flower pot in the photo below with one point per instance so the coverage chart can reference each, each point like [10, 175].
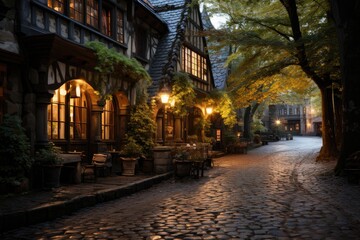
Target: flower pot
[128, 166]
[182, 168]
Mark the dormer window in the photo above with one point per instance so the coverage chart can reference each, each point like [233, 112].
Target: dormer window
[57, 5]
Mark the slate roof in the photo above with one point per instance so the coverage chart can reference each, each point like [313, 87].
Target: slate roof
[174, 13]
[217, 59]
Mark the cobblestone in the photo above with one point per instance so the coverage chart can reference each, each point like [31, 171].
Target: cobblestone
[277, 191]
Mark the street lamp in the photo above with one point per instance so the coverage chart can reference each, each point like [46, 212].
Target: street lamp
[209, 110]
[277, 122]
[164, 96]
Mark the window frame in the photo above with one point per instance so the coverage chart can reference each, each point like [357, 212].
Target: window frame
[194, 63]
[108, 121]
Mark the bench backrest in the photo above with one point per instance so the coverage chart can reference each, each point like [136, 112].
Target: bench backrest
[100, 158]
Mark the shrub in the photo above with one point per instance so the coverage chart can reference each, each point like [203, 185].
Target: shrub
[15, 157]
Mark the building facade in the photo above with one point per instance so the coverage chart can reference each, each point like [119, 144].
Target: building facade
[48, 76]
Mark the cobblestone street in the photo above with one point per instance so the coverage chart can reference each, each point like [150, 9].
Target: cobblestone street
[276, 191]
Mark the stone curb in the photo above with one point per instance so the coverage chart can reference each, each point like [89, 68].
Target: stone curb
[54, 210]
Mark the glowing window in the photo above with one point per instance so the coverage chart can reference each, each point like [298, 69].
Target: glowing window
[92, 14]
[194, 63]
[76, 10]
[107, 122]
[57, 5]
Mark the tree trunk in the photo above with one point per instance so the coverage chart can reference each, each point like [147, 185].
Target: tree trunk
[347, 19]
[247, 122]
[248, 119]
[329, 149]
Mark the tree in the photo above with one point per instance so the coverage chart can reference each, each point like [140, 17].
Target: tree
[272, 36]
[347, 19]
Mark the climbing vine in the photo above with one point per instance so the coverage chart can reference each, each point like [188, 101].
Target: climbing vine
[112, 65]
[183, 93]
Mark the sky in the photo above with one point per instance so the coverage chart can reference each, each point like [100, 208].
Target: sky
[217, 21]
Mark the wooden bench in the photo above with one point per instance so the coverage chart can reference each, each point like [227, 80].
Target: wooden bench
[102, 163]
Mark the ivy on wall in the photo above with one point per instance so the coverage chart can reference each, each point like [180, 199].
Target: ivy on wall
[183, 93]
[112, 65]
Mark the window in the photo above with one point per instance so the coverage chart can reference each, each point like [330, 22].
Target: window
[106, 21]
[78, 117]
[290, 111]
[92, 13]
[76, 10]
[57, 5]
[141, 42]
[107, 122]
[218, 135]
[194, 64]
[65, 110]
[56, 115]
[120, 26]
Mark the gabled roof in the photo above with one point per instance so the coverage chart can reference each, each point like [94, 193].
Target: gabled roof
[174, 12]
[217, 59]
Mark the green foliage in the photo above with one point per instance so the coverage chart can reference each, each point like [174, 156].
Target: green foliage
[132, 148]
[183, 93]
[113, 65]
[257, 126]
[269, 59]
[15, 157]
[48, 156]
[141, 127]
[222, 104]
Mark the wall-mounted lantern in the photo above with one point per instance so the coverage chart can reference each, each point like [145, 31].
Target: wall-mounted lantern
[209, 110]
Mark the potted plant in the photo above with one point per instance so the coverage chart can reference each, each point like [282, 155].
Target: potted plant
[15, 156]
[131, 152]
[182, 161]
[50, 162]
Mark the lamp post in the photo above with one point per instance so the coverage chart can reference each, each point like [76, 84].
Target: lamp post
[164, 96]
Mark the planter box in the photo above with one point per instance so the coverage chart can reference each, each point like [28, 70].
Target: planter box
[182, 168]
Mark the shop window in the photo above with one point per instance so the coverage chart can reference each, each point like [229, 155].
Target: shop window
[107, 121]
[194, 63]
[57, 5]
[120, 26]
[106, 21]
[92, 14]
[56, 115]
[67, 111]
[297, 127]
[76, 10]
